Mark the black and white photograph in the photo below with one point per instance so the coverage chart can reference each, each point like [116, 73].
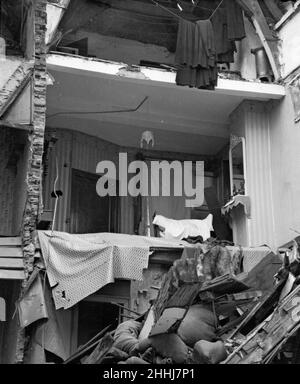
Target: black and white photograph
[149, 186]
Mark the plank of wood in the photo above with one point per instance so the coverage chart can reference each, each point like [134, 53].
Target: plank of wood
[270, 334]
[11, 252]
[10, 241]
[100, 351]
[6, 262]
[87, 347]
[9, 274]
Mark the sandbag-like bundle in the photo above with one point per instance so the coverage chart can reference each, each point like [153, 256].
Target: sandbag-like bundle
[170, 345]
[126, 336]
[198, 324]
[206, 352]
[135, 360]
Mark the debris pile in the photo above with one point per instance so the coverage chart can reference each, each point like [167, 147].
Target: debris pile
[208, 311]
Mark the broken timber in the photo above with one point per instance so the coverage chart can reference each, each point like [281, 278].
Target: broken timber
[262, 344]
[11, 259]
[269, 41]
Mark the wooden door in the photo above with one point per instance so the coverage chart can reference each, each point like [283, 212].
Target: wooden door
[90, 213]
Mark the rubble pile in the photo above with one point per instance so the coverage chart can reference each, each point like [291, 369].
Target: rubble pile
[208, 311]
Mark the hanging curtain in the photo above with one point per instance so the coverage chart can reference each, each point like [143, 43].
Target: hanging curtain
[169, 206]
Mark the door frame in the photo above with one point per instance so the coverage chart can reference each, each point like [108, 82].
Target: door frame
[110, 213]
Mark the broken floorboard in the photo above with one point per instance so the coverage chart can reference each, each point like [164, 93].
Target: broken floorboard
[11, 258]
[261, 345]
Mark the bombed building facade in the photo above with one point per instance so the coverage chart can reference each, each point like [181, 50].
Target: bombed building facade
[90, 278]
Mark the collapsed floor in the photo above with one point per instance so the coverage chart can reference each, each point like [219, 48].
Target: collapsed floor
[210, 311]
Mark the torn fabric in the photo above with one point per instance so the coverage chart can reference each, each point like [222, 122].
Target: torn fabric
[79, 265]
[238, 200]
[49, 333]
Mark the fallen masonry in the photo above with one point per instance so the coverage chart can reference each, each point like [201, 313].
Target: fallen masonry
[208, 311]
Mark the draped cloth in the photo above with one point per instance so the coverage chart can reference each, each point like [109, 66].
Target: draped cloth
[196, 55]
[225, 47]
[235, 20]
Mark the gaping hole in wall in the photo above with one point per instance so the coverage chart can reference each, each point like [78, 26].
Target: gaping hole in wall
[95, 316]
[146, 33]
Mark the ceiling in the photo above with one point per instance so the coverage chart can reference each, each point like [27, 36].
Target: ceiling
[182, 119]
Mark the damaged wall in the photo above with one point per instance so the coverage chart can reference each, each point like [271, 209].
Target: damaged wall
[13, 167]
[142, 292]
[121, 50]
[289, 35]
[36, 137]
[9, 290]
[76, 150]
[244, 59]
[129, 32]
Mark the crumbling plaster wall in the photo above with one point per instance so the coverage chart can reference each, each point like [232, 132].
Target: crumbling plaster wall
[122, 50]
[289, 34]
[244, 59]
[34, 170]
[13, 168]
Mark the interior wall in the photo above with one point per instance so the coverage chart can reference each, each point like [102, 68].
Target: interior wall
[239, 222]
[83, 152]
[13, 168]
[285, 166]
[20, 189]
[122, 50]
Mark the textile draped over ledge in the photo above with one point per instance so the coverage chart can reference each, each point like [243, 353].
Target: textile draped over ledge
[238, 200]
[79, 265]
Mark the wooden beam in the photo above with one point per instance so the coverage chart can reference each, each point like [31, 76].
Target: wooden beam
[8, 274]
[11, 252]
[269, 42]
[16, 241]
[11, 263]
[9, 124]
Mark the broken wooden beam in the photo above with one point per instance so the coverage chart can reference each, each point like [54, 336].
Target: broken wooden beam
[271, 334]
[267, 37]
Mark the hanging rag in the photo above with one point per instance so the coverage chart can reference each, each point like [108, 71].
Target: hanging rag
[235, 21]
[225, 47]
[196, 55]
